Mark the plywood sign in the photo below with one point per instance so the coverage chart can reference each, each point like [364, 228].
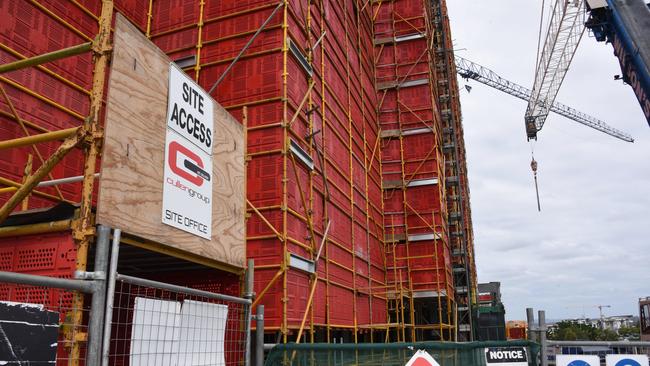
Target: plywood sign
[140, 157]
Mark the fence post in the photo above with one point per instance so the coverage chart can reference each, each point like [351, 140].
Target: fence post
[248, 294]
[541, 318]
[259, 335]
[530, 316]
[97, 305]
[110, 295]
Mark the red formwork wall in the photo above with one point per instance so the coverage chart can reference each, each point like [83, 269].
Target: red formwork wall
[352, 266]
[411, 149]
[50, 97]
[346, 131]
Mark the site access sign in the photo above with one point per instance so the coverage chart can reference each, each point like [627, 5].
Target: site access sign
[187, 187]
[506, 356]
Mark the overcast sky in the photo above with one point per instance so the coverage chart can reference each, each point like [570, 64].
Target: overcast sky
[590, 245]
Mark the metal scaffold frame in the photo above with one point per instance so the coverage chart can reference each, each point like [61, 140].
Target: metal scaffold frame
[316, 143]
[460, 226]
[88, 136]
[319, 100]
[445, 325]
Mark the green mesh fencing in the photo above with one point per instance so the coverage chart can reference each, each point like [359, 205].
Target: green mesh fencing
[389, 354]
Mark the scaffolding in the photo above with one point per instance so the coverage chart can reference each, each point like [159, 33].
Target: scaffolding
[413, 170]
[326, 99]
[459, 214]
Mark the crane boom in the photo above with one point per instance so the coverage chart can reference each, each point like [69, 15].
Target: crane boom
[470, 70]
[565, 30]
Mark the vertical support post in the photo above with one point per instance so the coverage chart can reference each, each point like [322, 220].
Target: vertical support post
[259, 336]
[110, 294]
[541, 318]
[249, 294]
[250, 276]
[530, 316]
[93, 133]
[97, 307]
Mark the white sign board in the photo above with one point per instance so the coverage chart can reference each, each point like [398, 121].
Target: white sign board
[577, 360]
[422, 358]
[167, 333]
[152, 332]
[506, 356]
[627, 360]
[187, 181]
[202, 335]
[190, 110]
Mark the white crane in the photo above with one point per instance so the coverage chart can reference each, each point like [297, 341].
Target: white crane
[565, 31]
[470, 70]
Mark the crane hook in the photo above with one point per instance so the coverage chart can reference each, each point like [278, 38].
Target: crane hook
[533, 166]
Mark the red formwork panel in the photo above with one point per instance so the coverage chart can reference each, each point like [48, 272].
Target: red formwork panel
[273, 311]
[297, 293]
[38, 97]
[77, 15]
[233, 29]
[341, 274]
[51, 255]
[264, 180]
[170, 15]
[210, 280]
[379, 315]
[319, 307]
[250, 80]
[363, 309]
[341, 305]
[216, 8]
[28, 30]
[136, 11]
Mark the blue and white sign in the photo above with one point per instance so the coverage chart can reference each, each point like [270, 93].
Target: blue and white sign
[577, 360]
[627, 360]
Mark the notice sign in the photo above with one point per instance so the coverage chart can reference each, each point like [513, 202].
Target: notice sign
[513, 356]
[187, 187]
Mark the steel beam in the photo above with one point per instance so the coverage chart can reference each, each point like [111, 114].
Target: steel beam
[45, 281]
[33, 180]
[35, 139]
[47, 57]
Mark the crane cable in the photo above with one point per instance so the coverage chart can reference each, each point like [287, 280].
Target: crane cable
[533, 162]
[533, 166]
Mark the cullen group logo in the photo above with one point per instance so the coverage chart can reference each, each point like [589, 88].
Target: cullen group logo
[192, 164]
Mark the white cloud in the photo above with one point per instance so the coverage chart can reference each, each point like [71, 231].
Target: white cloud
[590, 244]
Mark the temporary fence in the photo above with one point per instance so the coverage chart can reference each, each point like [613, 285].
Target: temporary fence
[155, 323]
[123, 320]
[549, 350]
[390, 354]
[595, 348]
[37, 325]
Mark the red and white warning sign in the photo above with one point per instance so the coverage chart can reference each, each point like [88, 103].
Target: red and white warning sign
[187, 187]
[422, 358]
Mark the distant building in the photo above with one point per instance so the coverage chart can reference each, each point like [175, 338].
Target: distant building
[491, 313]
[609, 322]
[644, 318]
